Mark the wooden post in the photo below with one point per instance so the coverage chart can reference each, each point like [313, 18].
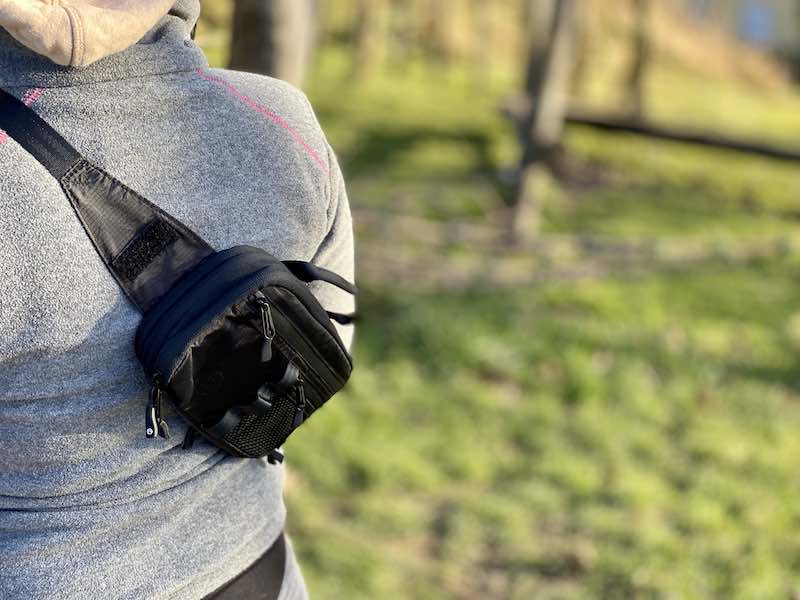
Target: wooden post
[273, 37]
[636, 83]
[370, 33]
[548, 75]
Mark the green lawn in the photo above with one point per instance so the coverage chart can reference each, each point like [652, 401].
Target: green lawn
[632, 435]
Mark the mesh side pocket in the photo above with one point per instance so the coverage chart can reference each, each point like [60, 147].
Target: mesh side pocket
[256, 435]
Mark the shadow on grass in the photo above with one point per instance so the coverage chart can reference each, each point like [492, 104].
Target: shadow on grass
[443, 331]
[378, 147]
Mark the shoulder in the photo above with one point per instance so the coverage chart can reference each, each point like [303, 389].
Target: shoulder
[267, 129]
[282, 94]
[273, 104]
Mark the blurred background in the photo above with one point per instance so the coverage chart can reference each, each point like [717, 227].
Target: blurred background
[578, 233]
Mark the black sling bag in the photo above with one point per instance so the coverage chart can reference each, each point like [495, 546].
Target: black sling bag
[235, 340]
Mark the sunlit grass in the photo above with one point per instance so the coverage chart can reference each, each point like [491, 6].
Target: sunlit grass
[615, 437]
[621, 437]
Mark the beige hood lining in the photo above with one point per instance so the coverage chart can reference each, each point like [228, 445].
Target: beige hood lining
[77, 33]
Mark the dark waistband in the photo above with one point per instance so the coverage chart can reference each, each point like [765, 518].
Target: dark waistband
[260, 581]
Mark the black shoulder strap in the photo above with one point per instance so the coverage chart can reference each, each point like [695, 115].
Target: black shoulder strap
[145, 249]
[308, 272]
[31, 132]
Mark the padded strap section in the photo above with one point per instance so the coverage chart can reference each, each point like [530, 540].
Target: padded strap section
[306, 271]
[144, 248]
[152, 240]
[31, 132]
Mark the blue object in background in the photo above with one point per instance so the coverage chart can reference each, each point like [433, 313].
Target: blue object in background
[757, 23]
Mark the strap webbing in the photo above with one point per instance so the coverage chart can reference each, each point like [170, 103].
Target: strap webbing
[308, 272]
[31, 132]
[342, 319]
[146, 249]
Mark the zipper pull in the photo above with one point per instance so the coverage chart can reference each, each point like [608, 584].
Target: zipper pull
[155, 425]
[152, 410]
[299, 416]
[267, 327]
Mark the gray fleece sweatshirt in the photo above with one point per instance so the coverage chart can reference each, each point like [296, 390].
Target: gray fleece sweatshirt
[89, 508]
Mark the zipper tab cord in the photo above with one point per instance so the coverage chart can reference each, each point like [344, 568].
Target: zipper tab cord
[267, 328]
[155, 425]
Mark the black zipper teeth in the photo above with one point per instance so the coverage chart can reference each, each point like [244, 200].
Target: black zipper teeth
[257, 287]
[307, 341]
[286, 348]
[284, 345]
[293, 396]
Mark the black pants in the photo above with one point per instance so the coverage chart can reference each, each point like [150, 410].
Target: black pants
[261, 581]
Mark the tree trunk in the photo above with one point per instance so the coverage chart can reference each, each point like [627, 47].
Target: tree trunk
[483, 40]
[273, 37]
[548, 75]
[538, 23]
[370, 37]
[582, 49]
[635, 88]
[438, 30]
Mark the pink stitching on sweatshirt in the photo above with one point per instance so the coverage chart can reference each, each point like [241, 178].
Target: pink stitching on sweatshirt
[32, 96]
[278, 120]
[28, 99]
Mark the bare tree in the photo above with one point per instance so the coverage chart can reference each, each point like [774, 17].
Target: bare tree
[538, 24]
[636, 80]
[584, 43]
[438, 29]
[548, 75]
[483, 38]
[273, 37]
[370, 37]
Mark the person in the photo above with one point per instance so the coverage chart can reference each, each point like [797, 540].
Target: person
[90, 508]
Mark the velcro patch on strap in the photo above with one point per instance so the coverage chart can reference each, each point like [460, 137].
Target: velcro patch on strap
[149, 243]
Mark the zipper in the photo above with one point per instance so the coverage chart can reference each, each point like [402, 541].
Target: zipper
[276, 456]
[154, 423]
[292, 354]
[311, 348]
[299, 406]
[267, 326]
[255, 284]
[270, 334]
[157, 326]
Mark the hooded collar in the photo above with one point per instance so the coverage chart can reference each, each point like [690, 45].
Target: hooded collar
[166, 48]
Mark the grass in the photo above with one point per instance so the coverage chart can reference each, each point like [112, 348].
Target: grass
[616, 437]
[599, 439]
